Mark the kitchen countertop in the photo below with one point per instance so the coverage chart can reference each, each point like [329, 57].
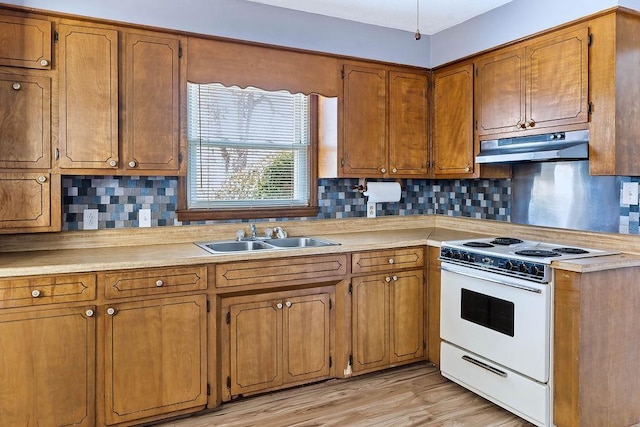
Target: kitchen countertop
[363, 235]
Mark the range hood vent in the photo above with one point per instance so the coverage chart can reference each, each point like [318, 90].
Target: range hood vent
[572, 145]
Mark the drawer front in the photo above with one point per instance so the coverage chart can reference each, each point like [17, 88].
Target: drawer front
[39, 290]
[278, 271]
[154, 281]
[367, 262]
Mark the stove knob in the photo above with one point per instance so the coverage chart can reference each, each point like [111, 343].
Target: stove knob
[510, 266]
[446, 253]
[536, 271]
[524, 268]
[457, 255]
[466, 257]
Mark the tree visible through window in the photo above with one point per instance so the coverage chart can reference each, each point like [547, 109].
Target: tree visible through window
[247, 148]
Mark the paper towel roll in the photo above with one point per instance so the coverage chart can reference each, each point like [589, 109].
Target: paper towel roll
[383, 192]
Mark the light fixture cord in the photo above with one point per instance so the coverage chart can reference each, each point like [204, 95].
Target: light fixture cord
[417, 35]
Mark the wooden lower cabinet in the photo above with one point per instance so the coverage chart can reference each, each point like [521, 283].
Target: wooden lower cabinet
[155, 357]
[47, 367]
[275, 340]
[387, 320]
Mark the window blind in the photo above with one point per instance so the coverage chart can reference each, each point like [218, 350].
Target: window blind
[246, 147]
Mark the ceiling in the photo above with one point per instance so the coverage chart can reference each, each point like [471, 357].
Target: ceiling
[435, 15]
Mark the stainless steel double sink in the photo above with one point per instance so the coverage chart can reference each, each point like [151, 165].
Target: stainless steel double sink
[249, 245]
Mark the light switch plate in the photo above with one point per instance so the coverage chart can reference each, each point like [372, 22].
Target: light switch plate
[144, 218]
[371, 209]
[90, 219]
[630, 193]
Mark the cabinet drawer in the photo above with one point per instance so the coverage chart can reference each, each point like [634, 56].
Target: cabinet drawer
[39, 290]
[278, 271]
[366, 262]
[154, 281]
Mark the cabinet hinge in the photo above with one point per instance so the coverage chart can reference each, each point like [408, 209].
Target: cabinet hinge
[424, 345]
[208, 389]
[342, 73]
[208, 306]
[351, 360]
[179, 51]
[55, 37]
[179, 157]
[330, 304]
[476, 72]
[590, 110]
[330, 362]
[228, 317]
[590, 39]
[229, 383]
[350, 289]
[342, 162]
[57, 154]
[476, 125]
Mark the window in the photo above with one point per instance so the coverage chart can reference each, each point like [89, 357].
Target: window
[250, 152]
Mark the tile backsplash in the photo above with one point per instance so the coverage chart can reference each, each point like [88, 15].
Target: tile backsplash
[118, 200]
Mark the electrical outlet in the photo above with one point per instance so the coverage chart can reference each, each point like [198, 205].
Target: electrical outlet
[90, 219]
[630, 193]
[144, 218]
[371, 209]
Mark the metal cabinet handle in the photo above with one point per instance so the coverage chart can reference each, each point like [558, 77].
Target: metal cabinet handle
[391, 261]
[132, 164]
[279, 306]
[288, 304]
[44, 62]
[113, 163]
[89, 313]
[16, 86]
[35, 293]
[111, 311]
[159, 283]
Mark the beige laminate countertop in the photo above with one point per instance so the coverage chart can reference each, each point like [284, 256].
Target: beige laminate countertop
[81, 252]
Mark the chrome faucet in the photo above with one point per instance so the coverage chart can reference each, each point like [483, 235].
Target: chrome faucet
[254, 232]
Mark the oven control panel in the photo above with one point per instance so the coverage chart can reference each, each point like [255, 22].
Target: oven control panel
[528, 270]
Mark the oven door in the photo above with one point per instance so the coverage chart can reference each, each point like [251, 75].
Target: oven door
[501, 318]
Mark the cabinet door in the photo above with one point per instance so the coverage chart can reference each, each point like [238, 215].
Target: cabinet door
[155, 357]
[47, 368]
[25, 121]
[557, 80]
[453, 152]
[152, 105]
[29, 202]
[370, 317]
[306, 337]
[433, 306]
[500, 92]
[88, 82]
[407, 315]
[364, 140]
[408, 125]
[25, 42]
[256, 345]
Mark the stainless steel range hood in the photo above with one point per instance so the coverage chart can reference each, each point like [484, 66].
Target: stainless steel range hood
[572, 145]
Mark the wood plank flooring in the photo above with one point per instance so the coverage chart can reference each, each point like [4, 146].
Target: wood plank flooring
[414, 395]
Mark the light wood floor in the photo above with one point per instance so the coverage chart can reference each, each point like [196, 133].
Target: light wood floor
[414, 395]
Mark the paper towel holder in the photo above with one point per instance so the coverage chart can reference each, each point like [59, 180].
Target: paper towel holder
[362, 185]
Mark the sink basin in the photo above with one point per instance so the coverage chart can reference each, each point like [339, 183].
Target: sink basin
[230, 246]
[235, 246]
[299, 242]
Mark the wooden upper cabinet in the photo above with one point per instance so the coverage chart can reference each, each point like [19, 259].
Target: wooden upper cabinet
[364, 143]
[452, 145]
[25, 121]
[408, 124]
[88, 98]
[542, 83]
[25, 42]
[151, 102]
[30, 202]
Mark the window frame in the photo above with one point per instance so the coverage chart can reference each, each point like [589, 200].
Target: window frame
[186, 214]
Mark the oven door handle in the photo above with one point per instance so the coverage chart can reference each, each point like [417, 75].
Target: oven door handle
[504, 282]
[484, 366]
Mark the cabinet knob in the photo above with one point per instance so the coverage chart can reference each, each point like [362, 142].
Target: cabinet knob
[159, 283]
[111, 311]
[395, 278]
[42, 179]
[44, 62]
[387, 279]
[394, 170]
[279, 306]
[383, 170]
[532, 124]
[89, 313]
[288, 304]
[391, 261]
[16, 86]
[35, 293]
[132, 164]
[522, 125]
[113, 163]
[467, 169]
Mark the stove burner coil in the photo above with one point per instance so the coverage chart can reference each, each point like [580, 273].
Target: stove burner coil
[537, 253]
[478, 245]
[570, 251]
[505, 241]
